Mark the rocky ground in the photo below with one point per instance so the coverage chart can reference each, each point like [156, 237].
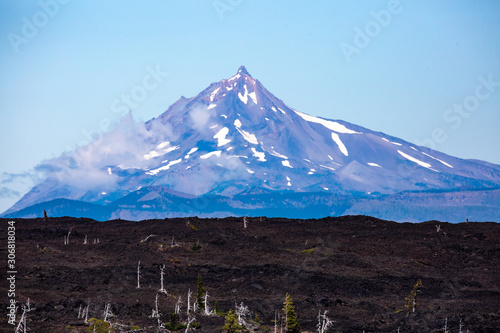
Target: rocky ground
[359, 269]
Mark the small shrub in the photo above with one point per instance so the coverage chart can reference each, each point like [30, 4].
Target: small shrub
[292, 324]
[196, 325]
[196, 247]
[218, 311]
[308, 251]
[200, 294]
[175, 325]
[99, 326]
[231, 323]
[411, 300]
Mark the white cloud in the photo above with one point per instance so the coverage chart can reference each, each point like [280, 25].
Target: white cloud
[200, 117]
[86, 167]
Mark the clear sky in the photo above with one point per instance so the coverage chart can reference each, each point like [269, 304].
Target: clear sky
[425, 71]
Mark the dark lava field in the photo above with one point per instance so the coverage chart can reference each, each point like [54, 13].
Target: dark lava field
[359, 269]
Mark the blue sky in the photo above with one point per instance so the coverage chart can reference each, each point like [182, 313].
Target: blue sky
[425, 71]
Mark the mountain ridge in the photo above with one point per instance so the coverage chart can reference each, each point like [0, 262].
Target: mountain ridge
[235, 135]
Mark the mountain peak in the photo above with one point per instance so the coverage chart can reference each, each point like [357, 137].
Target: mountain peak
[242, 70]
[235, 139]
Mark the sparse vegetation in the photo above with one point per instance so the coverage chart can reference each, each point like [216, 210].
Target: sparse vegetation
[292, 324]
[217, 310]
[174, 324]
[200, 294]
[99, 326]
[308, 251]
[231, 323]
[249, 272]
[411, 299]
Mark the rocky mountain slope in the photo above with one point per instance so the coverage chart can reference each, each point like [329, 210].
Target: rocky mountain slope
[236, 149]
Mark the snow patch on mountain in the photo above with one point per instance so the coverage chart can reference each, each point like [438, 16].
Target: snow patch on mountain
[221, 137]
[163, 145]
[340, 144]
[394, 143]
[248, 136]
[234, 77]
[151, 154]
[155, 153]
[163, 168]
[327, 167]
[261, 156]
[332, 125]
[190, 152]
[212, 95]
[213, 153]
[274, 153]
[244, 97]
[437, 159]
[170, 149]
[415, 160]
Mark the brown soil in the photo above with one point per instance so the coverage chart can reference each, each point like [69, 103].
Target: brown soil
[359, 269]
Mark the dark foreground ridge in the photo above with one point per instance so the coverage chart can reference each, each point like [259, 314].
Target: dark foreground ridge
[360, 269]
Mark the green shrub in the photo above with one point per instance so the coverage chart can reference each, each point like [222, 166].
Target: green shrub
[308, 251]
[175, 325]
[196, 325]
[99, 326]
[292, 324]
[200, 294]
[179, 326]
[231, 324]
[217, 310]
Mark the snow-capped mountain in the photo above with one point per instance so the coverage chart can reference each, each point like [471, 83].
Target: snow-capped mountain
[236, 149]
